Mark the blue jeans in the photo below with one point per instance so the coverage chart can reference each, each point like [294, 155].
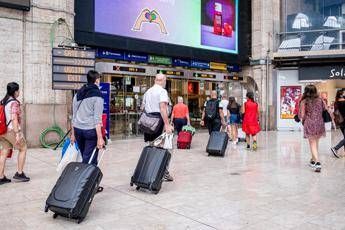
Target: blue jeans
[87, 142]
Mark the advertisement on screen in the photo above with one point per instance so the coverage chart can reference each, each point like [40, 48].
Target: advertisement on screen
[205, 24]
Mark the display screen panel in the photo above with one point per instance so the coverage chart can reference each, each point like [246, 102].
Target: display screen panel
[205, 24]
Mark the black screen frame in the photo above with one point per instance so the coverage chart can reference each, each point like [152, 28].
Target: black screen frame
[85, 35]
[23, 5]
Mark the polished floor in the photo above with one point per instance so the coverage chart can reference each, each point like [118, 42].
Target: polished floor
[272, 188]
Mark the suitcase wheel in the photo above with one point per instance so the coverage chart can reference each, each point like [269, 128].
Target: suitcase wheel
[137, 188]
[55, 215]
[80, 220]
[46, 208]
[155, 192]
[131, 184]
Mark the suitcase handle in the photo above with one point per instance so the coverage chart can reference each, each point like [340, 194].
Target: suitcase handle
[93, 155]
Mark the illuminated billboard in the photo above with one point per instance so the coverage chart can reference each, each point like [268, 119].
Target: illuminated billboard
[203, 24]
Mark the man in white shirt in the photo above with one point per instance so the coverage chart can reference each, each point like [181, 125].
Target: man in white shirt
[224, 104]
[156, 102]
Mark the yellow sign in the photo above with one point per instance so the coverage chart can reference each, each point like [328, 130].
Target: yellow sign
[218, 66]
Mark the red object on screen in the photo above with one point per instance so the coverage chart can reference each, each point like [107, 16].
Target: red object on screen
[217, 19]
[227, 30]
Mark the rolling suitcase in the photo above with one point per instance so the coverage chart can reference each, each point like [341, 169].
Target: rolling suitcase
[184, 140]
[73, 193]
[150, 169]
[217, 144]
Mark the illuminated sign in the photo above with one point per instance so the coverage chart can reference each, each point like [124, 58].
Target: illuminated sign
[160, 60]
[218, 66]
[74, 53]
[202, 24]
[129, 69]
[233, 78]
[204, 75]
[67, 85]
[171, 72]
[70, 67]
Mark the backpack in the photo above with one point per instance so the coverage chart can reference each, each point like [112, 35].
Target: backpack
[3, 122]
[211, 109]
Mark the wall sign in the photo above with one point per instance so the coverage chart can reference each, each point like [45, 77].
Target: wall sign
[160, 60]
[233, 78]
[136, 57]
[105, 90]
[70, 67]
[309, 73]
[181, 62]
[233, 68]
[110, 54]
[204, 75]
[218, 66]
[200, 64]
[129, 69]
[171, 72]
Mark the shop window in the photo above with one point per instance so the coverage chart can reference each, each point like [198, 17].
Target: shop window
[309, 25]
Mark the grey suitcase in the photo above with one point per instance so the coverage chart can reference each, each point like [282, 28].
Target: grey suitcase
[217, 144]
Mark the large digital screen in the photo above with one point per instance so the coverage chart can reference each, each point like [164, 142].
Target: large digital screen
[205, 24]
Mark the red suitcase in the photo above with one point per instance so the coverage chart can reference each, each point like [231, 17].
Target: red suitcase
[184, 140]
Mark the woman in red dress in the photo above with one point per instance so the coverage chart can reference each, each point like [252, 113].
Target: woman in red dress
[251, 120]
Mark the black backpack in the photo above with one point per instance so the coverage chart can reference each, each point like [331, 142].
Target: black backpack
[211, 109]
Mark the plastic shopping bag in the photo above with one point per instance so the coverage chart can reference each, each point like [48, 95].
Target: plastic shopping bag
[168, 141]
[164, 141]
[66, 145]
[72, 154]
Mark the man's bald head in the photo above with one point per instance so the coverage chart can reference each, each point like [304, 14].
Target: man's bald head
[214, 94]
[161, 80]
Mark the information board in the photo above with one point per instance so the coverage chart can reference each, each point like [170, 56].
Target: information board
[70, 67]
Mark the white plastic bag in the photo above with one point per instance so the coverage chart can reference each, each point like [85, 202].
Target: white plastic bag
[72, 155]
[168, 142]
[164, 141]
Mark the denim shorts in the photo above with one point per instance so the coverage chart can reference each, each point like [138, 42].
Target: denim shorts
[234, 119]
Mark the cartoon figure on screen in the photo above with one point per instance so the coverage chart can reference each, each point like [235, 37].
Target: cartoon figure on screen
[147, 16]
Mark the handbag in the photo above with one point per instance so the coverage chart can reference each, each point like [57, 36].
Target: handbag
[338, 118]
[149, 123]
[326, 116]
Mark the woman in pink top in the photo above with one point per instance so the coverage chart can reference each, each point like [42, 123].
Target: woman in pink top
[14, 136]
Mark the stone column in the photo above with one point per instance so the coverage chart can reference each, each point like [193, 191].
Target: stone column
[265, 18]
[26, 59]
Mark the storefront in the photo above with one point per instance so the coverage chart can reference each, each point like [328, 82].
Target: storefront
[291, 82]
[129, 82]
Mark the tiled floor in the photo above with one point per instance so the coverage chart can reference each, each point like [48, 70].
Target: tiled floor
[272, 188]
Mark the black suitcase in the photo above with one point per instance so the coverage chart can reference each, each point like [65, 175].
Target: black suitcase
[150, 169]
[73, 192]
[217, 144]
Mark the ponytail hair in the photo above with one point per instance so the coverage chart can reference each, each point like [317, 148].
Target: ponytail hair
[12, 88]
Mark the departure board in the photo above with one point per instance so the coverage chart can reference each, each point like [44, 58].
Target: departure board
[70, 67]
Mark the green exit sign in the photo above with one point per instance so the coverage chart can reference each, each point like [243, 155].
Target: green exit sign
[160, 60]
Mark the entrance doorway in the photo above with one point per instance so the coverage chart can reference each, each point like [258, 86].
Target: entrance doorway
[126, 94]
